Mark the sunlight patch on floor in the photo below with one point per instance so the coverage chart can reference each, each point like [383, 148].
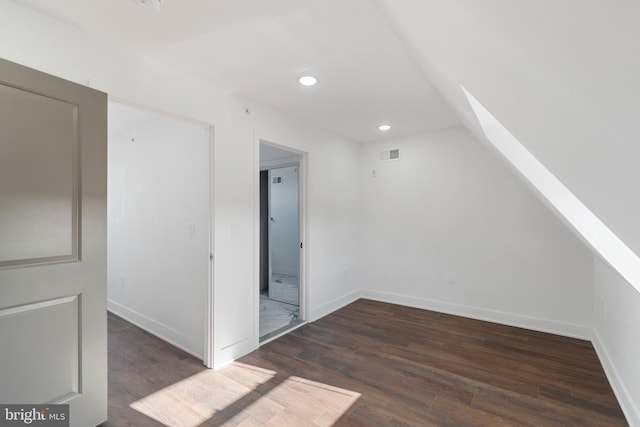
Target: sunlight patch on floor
[242, 394]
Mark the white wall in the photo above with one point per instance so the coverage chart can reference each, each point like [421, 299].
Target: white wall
[451, 205]
[560, 117]
[562, 78]
[158, 229]
[331, 185]
[616, 336]
[37, 41]
[332, 188]
[283, 236]
[45, 44]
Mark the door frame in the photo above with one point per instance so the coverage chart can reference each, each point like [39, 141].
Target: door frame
[208, 350]
[302, 234]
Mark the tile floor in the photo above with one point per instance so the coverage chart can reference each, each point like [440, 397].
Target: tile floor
[279, 308]
[284, 288]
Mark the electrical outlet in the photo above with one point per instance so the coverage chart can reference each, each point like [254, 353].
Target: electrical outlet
[449, 278]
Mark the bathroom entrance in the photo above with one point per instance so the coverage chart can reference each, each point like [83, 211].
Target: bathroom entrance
[280, 242]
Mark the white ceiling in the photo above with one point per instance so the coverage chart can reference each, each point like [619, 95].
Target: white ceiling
[260, 47]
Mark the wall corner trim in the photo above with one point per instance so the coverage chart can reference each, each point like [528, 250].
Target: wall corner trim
[333, 305]
[511, 319]
[628, 405]
[158, 329]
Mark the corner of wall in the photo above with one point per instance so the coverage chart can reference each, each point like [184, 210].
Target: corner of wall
[334, 305]
[156, 328]
[627, 403]
[494, 316]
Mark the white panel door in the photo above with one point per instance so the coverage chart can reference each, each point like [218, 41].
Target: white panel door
[53, 156]
[284, 237]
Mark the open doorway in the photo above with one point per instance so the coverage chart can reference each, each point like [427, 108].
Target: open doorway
[280, 241]
[158, 234]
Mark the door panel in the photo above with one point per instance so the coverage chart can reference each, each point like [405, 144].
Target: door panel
[52, 243]
[38, 178]
[26, 330]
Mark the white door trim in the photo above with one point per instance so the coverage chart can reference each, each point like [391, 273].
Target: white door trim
[302, 233]
[209, 337]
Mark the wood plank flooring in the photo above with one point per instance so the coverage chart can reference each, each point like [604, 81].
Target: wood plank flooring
[368, 364]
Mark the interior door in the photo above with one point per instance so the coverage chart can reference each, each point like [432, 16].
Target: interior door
[53, 157]
[284, 240]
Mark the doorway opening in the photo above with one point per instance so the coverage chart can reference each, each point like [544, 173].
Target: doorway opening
[280, 241]
[158, 224]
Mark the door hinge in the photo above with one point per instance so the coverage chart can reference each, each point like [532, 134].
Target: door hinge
[210, 256]
[300, 245]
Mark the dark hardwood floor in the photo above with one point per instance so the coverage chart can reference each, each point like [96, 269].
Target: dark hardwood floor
[368, 364]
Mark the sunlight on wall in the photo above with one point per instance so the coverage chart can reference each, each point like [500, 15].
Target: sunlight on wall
[245, 393]
[590, 227]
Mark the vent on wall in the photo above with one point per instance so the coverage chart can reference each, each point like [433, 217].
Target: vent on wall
[389, 155]
[277, 180]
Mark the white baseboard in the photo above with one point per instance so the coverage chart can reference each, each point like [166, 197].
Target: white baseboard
[333, 305]
[156, 328]
[510, 319]
[234, 351]
[627, 403]
[241, 348]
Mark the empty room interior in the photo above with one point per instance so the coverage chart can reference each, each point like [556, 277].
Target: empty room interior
[363, 212]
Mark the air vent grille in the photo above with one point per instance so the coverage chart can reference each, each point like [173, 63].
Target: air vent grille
[388, 155]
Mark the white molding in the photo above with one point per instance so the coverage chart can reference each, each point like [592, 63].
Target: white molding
[234, 351]
[333, 305]
[303, 234]
[510, 319]
[280, 163]
[156, 328]
[626, 401]
[275, 337]
[36, 305]
[208, 350]
[298, 158]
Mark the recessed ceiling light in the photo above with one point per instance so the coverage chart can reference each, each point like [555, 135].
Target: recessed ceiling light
[384, 128]
[308, 80]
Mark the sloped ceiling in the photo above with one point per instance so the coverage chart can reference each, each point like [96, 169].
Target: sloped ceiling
[561, 77]
[260, 48]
